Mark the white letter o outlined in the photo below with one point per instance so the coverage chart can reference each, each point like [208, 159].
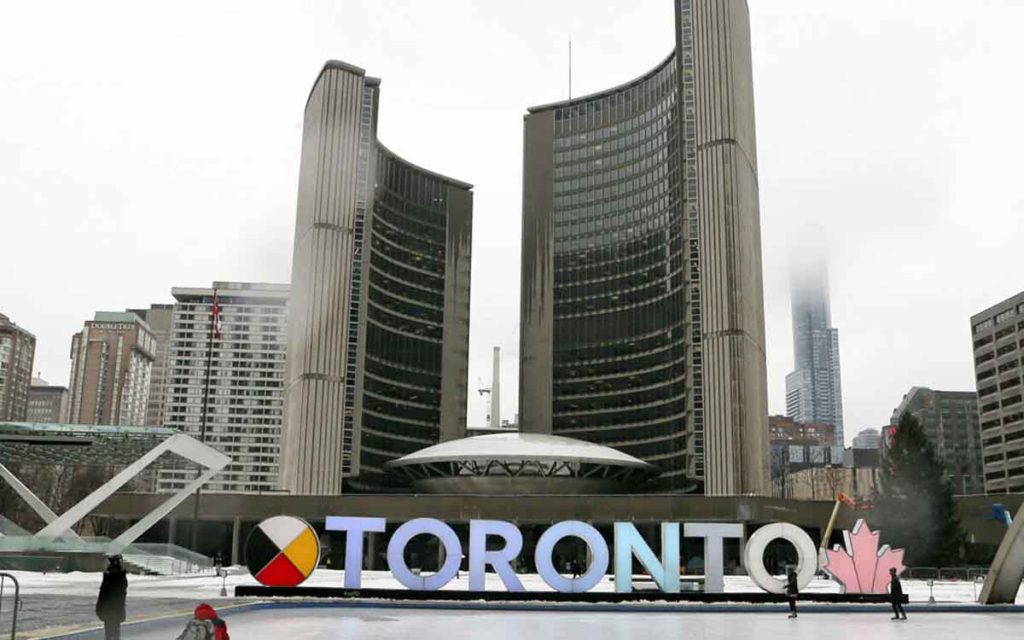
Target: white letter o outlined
[806, 553]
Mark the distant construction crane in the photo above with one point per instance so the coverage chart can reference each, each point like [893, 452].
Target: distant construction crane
[494, 414]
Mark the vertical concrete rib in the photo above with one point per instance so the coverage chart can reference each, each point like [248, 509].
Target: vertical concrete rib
[311, 438]
[733, 314]
[455, 345]
[536, 328]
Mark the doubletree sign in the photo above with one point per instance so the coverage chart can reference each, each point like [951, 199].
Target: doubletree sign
[283, 551]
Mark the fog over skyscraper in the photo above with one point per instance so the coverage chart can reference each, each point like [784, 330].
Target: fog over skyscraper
[642, 311]
[814, 388]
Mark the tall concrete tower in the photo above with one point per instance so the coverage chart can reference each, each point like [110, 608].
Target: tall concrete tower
[642, 312]
[378, 328]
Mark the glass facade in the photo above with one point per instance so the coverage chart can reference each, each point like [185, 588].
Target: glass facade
[401, 402]
[621, 260]
[641, 311]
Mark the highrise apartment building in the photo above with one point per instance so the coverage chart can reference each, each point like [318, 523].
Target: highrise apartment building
[111, 359]
[246, 375]
[158, 317]
[47, 403]
[17, 354]
[642, 315]
[814, 388]
[378, 342]
[950, 420]
[998, 336]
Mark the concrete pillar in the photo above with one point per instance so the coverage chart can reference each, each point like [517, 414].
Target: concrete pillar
[236, 533]
[172, 530]
[370, 551]
[743, 549]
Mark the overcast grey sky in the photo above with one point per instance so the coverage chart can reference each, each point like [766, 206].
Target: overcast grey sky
[148, 145]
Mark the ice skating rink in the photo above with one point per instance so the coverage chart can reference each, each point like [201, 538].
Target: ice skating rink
[419, 624]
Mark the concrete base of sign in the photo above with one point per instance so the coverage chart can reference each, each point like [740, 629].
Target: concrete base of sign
[1007, 570]
[653, 595]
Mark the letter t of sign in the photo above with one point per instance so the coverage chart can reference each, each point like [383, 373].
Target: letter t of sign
[713, 534]
[354, 529]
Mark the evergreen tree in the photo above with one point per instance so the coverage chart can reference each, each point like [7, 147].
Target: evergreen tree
[914, 504]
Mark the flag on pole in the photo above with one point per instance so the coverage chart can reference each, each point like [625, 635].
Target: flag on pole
[845, 499]
[216, 315]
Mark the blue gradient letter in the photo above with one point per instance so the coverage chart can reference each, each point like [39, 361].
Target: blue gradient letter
[480, 557]
[628, 542]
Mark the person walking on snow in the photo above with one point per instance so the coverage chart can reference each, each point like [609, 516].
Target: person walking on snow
[110, 602]
[896, 595]
[792, 590]
[206, 625]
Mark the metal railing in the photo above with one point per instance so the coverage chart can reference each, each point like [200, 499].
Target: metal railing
[166, 559]
[4, 579]
[947, 574]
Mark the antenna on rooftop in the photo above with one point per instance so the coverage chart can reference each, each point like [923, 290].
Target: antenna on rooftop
[570, 68]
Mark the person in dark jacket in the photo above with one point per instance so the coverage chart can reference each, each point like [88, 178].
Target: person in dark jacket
[896, 595]
[110, 603]
[792, 590]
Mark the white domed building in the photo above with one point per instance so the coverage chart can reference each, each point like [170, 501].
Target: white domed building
[523, 463]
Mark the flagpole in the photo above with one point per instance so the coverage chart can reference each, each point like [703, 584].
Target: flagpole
[214, 312]
[828, 530]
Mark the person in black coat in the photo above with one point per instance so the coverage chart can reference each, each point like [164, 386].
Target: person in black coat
[110, 603]
[896, 595]
[792, 590]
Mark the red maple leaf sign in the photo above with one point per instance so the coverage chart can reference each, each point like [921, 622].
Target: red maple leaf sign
[862, 567]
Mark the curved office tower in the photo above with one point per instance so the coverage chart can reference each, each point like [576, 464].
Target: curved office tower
[378, 333]
[642, 319]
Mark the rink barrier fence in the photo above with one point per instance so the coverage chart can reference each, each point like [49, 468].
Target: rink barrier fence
[174, 623]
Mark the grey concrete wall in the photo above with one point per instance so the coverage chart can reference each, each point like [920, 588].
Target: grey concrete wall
[455, 348]
[311, 443]
[735, 384]
[536, 329]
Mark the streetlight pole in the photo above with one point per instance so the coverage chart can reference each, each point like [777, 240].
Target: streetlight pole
[214, 313]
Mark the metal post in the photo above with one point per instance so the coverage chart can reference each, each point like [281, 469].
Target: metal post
[828, 534]
[236, 533]
[202, 427]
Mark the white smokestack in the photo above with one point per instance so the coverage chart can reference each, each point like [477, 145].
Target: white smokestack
[496, 389]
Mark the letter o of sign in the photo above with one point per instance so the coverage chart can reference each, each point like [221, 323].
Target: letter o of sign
[598, 550]
[806, 553]
[396, 554]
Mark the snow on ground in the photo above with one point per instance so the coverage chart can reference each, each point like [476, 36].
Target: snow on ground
[425, 624]
[207, 587]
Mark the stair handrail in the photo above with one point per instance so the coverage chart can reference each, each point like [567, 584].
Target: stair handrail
[4, 577]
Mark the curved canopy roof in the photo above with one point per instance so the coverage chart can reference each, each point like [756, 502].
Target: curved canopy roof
[520, 447]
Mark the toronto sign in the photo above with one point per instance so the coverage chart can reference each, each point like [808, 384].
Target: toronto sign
[283, 551]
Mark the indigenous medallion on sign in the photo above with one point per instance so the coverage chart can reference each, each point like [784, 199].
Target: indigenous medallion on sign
[282, 551]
